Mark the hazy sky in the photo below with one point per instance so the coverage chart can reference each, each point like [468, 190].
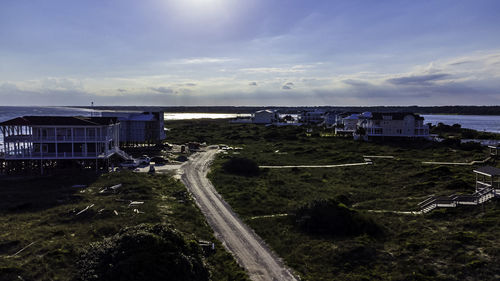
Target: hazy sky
[254, 52]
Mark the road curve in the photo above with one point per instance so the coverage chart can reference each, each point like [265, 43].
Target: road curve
[248, 248]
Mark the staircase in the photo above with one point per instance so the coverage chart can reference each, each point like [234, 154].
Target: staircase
[123, 154]
[452, 201]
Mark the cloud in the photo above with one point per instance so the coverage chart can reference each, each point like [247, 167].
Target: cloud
[59, 83]
[439, 82]
[288, 86]
[183, 91]
[418, 79]
[163, 90]
[299, 68]
[355, 82]
[204, 60]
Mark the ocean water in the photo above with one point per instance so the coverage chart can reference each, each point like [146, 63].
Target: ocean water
[188, 116]
[486, 123]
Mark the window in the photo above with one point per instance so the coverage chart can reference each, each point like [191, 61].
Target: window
[37, 146]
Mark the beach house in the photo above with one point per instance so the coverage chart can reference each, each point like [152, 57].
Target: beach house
[394, 124]
[312, 116]
[139, 128]
[38, 141]
[266, 116]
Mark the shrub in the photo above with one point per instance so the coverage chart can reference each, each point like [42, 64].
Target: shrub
[144, 252]
[458, 184]
[241, 166]
[470, 146]
[328, 217]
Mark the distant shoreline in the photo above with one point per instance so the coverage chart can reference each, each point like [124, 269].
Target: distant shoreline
[441, 110]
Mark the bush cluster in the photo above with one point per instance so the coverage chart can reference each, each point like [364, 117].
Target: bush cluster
[329, 217]
[143, 252]
[241, 166]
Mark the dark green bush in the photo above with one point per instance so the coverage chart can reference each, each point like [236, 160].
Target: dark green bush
[144, 252]
[470, 146]
[328, 217]
[241, 166]
[458, 184]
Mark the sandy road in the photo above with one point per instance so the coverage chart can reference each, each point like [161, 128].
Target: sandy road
[238, 238]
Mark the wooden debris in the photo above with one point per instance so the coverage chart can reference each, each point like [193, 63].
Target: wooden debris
[113, 188]
[135, 203]
[86, 209]
[18, 252]
[116, 213]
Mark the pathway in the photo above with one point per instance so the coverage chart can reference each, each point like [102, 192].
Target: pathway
[248, 248]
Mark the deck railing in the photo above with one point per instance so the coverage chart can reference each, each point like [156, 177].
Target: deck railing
[30, 138]
[27, 154]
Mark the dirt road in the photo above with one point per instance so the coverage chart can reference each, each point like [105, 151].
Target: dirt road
[238, 238]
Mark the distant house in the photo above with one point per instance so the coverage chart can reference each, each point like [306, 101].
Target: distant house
[266, 116]
[394, 124]
[347, 123]
[330, 118]
[312, 117]
[139, 127]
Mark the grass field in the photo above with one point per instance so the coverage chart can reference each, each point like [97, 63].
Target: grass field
[44, 211]
[447, 244]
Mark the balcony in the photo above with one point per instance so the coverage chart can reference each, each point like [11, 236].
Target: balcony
[29, 154]
[46, 139]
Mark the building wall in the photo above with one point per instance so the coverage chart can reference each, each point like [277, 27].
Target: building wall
[264, 117]
[146, 127]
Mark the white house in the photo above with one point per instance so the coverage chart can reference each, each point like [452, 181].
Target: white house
[139, 127]
[266, 116]
[394, 124]
[330, 118]
[347, 123]
[60, 137]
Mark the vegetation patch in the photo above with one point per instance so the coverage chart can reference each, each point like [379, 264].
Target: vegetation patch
[143, 252]
[47, 222]
[446, 244]
[241, 166]
[330, 218]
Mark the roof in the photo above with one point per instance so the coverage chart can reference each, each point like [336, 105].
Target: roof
[353, 117]
[266, 111]
[488, 170]
[59, 121]
[131, 116]
[395, 115]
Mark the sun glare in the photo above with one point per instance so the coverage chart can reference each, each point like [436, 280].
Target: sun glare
[201, 9]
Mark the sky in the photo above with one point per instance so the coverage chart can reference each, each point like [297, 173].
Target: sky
[249, 52]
